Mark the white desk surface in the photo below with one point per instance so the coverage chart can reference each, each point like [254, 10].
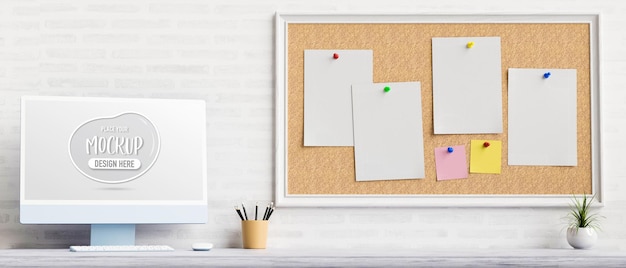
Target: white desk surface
[316, 258]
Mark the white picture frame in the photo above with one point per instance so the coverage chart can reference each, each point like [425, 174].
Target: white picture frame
[284, 199]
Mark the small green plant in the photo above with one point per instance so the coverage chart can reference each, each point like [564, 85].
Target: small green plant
[580, 215]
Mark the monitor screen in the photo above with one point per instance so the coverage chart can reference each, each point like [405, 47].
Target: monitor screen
[112, 161]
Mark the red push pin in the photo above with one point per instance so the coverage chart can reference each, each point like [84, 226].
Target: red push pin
[486, 144]
[335, 56]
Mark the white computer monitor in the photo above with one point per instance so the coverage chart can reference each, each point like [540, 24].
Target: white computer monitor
[112, 163]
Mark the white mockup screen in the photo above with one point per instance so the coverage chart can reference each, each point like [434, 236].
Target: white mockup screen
[108, 151]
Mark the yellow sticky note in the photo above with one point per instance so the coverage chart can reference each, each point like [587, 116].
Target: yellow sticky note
[486, 156]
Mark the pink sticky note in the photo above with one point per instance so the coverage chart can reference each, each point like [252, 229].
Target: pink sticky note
[451, 165]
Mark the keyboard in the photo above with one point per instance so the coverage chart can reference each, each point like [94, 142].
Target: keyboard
[138, 248]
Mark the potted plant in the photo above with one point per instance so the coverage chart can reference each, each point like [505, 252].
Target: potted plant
[583, 224]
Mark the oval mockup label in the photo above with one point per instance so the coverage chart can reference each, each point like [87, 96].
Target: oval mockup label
[115, 149]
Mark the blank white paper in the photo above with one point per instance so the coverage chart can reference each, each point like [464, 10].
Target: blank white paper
[388, 136]
[467, 85]
[327, 97]
[542, 117]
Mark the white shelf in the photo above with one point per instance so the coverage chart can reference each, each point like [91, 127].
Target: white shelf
[318, 258]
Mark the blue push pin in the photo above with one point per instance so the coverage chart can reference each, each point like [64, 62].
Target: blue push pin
[546, 75]
[450, 149]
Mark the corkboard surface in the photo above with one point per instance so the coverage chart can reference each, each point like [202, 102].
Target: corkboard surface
[402, 52]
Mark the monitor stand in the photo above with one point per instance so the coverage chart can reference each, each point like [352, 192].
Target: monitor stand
[112, 234]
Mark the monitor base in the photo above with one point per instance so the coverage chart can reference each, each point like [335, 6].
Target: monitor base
[112, 234]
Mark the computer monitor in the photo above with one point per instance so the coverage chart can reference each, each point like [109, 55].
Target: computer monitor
[112, 163]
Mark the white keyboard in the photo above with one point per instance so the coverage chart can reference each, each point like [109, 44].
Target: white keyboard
[138, 248]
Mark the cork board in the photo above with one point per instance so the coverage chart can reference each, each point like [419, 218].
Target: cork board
[402, 52]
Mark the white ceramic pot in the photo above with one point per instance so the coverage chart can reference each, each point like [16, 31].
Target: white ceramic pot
[581, 238]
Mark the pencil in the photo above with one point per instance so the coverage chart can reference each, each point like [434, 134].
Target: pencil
[269, 211]
[269, 214]
[256, 210]
[245, 214]
[266, 210]
[239, 212]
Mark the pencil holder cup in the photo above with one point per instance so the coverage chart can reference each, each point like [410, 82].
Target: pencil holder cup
[254, 234]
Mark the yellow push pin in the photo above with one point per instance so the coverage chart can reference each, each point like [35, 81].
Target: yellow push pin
[470, 44]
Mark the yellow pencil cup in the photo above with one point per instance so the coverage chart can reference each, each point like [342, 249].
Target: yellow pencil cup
[254, 234]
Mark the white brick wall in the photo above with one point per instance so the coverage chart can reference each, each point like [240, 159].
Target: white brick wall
[222, 51]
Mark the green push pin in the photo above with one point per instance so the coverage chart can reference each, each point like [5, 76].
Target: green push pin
[387, 89]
